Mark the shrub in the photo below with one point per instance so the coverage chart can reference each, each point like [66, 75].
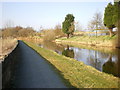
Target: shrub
[49, 35]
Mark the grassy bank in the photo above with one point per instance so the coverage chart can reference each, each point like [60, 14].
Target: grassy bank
[89, 47]
[101, 41]
[77, 73]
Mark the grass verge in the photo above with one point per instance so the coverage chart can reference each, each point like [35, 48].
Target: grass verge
[76, 72]
[103, 41]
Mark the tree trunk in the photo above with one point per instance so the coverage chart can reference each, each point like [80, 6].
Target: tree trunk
[118, 62]
[95, 59]
[67, 35]
[111, 32]
[110, 58]
[67, 47]
[118, 34]
[71, 34]
[118, 38]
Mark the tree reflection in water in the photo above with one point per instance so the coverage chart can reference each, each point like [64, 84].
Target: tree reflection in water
[93, 59]
[118, 50]
[68, 52]
[110, 66]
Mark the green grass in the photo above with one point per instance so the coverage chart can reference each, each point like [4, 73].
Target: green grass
[76, 72]
[104, 41]
[90, 38]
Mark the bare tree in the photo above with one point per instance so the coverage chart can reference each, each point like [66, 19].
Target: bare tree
[96, 23]
[58, 31]
[40, 29]
[78, 26]
[58, 27]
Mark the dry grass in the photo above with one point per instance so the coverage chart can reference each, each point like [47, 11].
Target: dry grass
[6, 46]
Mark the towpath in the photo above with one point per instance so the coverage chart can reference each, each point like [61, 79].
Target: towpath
[33, 71]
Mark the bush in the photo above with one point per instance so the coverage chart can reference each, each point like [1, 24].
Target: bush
[52, 34]
[15, 32]
[49, 35]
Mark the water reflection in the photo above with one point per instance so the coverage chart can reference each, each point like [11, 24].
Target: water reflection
[105, 62]
[93, 60]
[68, 52]
[53, 46]
[110, 66]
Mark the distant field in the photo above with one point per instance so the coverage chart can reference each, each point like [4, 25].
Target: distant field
[6, 46]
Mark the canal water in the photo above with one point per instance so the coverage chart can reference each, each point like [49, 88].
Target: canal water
[102, 60]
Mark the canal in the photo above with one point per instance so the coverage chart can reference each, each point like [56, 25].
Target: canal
[101, 59]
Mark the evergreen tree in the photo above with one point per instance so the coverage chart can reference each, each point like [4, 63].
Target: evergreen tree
[68, 25]
[116, 15]
[108, 18]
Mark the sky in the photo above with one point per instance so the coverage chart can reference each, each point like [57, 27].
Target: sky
[48, 14]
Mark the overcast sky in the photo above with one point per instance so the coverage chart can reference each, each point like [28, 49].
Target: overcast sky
[48, 14]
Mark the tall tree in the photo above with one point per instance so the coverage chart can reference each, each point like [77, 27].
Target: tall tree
[68, 25]
[96, 23]
[118, 24]
[108, 18]
[116, 12]
[78, 26]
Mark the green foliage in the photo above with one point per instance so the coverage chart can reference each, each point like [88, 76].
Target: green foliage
[112, 15]
[116, 15]
[110, 66]
[108, 16]
[68, 25]
[68, 53]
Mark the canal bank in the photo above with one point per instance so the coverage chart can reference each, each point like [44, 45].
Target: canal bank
[103, 59]
[76, 72]
[100, 41]
[8, 66]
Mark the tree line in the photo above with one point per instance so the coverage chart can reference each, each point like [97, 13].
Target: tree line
[18, 31]
[110, 20]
